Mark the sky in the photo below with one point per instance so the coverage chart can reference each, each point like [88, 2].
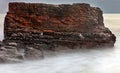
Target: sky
[108, 6]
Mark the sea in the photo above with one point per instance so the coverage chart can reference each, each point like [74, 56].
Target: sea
[102, 60]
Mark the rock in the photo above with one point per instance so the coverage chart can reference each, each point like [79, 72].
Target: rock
[9, 54]
[0, 43]
[68, 25]
[34, 29]
[13, 51]
[32, 53]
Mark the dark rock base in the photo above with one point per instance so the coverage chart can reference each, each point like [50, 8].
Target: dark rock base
[17, 50]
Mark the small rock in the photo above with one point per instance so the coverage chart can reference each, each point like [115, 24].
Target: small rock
[32, 53]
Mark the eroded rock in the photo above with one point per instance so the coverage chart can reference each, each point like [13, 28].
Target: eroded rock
[33, 53]
[76, 24]
[14, 51]
[30, 28]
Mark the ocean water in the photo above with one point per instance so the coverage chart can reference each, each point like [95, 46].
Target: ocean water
[103, 60]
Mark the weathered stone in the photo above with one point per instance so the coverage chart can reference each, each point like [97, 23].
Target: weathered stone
[65, 24]
[9, 54]
[32, 29]
[11, 51]
[33, 53]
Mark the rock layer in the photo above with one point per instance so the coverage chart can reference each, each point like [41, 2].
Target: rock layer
[53, 25]
[16, 51]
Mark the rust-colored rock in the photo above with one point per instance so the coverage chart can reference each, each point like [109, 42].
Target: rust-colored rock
[65, 24]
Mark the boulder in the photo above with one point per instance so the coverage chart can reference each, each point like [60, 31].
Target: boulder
[69, 25]
[33, 53]
[31, 29]
[13, 51]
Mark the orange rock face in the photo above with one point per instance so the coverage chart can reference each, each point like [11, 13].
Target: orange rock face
[58, 18]
[76, 23]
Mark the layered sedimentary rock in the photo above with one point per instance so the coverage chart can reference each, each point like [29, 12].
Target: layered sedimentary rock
[53, 25]
[15, 51]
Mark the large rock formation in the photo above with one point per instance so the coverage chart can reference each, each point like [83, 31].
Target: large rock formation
[67, 25]
[31, 29]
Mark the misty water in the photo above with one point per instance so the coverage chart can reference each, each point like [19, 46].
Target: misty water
[102, 60]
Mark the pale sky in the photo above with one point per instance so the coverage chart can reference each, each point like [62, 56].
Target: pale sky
[108, 6]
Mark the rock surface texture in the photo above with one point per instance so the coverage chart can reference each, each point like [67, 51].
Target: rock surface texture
[16, 51]
[31, 28]
[67, 25]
